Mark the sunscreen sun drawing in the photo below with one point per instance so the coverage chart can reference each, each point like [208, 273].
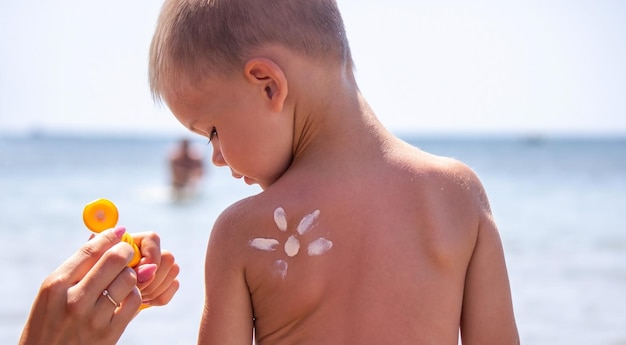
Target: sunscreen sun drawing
[292, 244]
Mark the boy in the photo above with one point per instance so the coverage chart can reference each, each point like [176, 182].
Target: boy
[357, 237]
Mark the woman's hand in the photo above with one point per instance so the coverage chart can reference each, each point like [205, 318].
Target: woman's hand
[90, 298]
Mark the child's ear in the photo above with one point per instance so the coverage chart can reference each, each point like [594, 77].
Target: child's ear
[270, 79]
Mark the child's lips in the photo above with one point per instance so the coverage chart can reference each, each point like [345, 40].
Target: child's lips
[246, 179]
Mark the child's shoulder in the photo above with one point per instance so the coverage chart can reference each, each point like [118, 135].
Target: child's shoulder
[434, 166]
[452, 170]
[441, 176]
[232, 228]
[243, 219]
[240, 215]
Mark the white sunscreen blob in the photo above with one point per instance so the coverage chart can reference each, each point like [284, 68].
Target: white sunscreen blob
[281, 267]
[265, 244]
[319, 246]
[307, 222]
[280, 218]
[292, 246]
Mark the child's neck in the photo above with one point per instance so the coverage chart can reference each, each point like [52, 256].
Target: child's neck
[332, 120]
[340, 129]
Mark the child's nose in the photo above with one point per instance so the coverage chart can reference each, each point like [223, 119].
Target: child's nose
[217, 158]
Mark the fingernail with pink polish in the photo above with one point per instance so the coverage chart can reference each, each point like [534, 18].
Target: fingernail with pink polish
[119, 231]
[145, 272]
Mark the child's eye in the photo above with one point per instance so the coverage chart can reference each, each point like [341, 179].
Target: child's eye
[213, 134]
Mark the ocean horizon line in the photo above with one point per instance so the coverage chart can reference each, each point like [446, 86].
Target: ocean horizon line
[529, 137]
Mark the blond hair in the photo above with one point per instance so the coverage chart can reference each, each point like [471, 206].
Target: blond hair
[198, 38]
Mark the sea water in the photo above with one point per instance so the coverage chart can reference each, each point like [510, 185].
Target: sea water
[560, 205]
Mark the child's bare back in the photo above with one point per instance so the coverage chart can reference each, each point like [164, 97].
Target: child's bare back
[357, 237]
[381, 253]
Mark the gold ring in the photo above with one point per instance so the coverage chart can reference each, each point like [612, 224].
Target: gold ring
[106, 293]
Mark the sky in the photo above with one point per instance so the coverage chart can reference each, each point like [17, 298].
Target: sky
[533, 67]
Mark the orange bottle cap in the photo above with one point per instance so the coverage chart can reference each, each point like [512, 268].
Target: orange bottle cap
[100, 215]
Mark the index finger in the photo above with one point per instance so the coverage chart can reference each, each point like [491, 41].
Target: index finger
[77, 266]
